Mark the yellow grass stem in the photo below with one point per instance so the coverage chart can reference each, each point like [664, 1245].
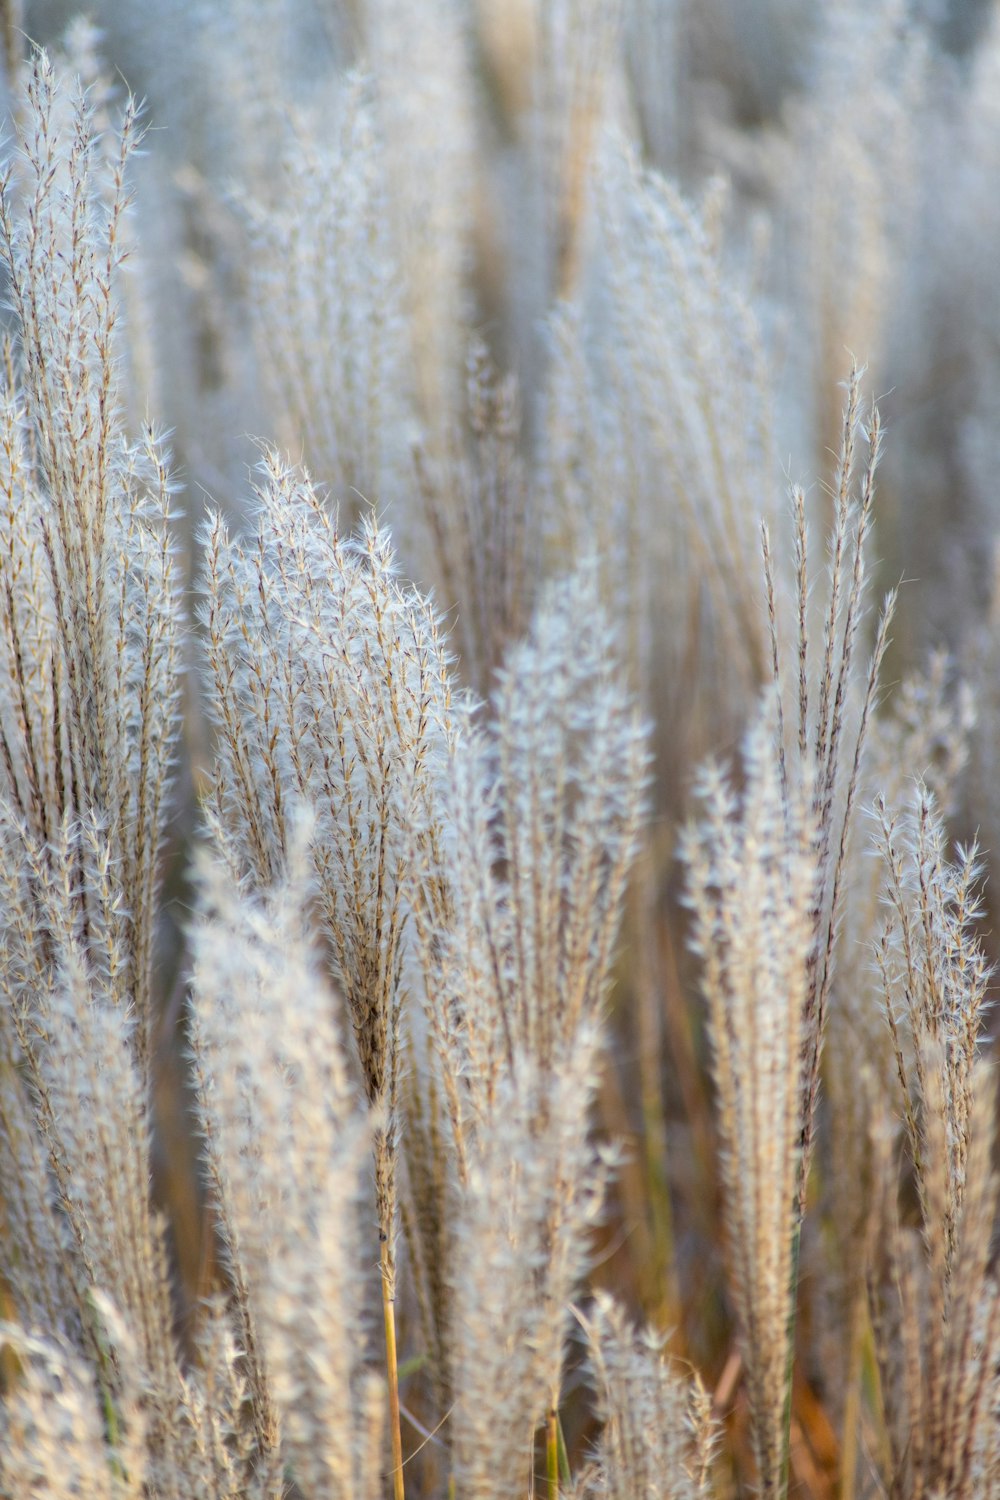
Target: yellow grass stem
[780, 1489]
[552, 1453]
[392, 1369]
[564, 1473]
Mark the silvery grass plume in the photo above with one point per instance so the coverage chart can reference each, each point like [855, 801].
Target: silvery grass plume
[326, 298]
[821, 706]
[331, 691]
[751, 883]
[935, 977]
[515, 936]
[925, 731]
[88, 1205]
[88, 671]
[533, 1190]
[478, 514]
[935, 1305]
[659, 1436]
[85, 1424]
[360, 251]
[826, 697]
[57, 1438]
[937, 1324]
[658, 395]
[88, 607]
[286, 1146]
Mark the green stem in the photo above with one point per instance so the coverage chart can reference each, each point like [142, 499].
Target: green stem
[564, 1473]
[552, 1453]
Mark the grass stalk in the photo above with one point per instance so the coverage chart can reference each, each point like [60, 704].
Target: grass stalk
[564, 1472]
[552, 1453]
[781, 1491]
[392, 1369]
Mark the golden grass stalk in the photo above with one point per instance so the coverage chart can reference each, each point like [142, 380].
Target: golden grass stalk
[392, 1369]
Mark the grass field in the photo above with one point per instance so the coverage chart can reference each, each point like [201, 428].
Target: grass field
[499, 696]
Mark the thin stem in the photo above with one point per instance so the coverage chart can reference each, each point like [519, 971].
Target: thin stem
[786, 1442]
[564, 1473]
[552, 1453]
[392, 1369]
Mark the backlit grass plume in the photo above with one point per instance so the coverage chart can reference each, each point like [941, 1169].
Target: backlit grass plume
[935, 1302]
[286, 1141]
[543, 808]
[88, 607]
[935, 978]
[826, 696]
[89, 623]
[751, 881]
[331, 692]
[658, 1436]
